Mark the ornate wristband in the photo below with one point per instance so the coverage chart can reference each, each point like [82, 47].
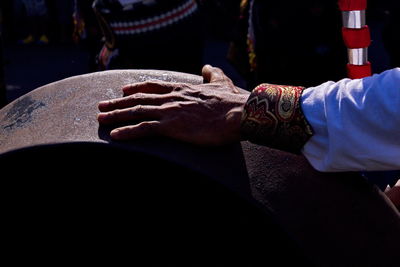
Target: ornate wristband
[272, 116]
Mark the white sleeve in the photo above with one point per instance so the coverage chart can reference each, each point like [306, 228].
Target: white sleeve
[356, 124]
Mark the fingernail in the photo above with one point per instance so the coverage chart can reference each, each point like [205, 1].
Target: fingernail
[115, 134]
[101, 117]
[104, 104]
[126, 87]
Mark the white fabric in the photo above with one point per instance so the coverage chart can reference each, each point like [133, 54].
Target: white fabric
[356, 124]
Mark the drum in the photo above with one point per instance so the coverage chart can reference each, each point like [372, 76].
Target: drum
[72, 192]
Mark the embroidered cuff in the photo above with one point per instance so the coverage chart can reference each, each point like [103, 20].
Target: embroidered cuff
[272, 116]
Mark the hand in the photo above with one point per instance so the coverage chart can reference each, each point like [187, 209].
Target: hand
[394, 194]
[205, 114]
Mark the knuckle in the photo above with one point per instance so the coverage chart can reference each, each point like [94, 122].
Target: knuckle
[176, 96]
[151, 83]
[111, 115]
[216, 69]
[136, 96]
[116, 113]
[150, 128]
[172, 107]
[146, 126]
[137, 109]
[114, 102]
[179, 87]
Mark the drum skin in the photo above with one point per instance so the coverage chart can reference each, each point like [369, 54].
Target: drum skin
[335, 219]
[66, 111]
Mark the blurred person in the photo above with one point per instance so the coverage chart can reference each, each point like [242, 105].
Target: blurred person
[289, 42]
[86, 31]
[391, 32]
[5, 15]
[37, 21]
[300, 42]
[60, 18]
[220, 16]
[150, 34]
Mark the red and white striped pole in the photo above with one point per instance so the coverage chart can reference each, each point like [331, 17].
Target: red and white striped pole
[356, 36]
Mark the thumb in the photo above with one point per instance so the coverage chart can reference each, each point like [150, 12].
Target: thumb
[212, 74]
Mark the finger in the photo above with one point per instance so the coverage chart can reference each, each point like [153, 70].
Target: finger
[394, 195]
[149, 87]
[387, 189]
[136, 113]
[213, 74]
[137, 99]
[143, 129]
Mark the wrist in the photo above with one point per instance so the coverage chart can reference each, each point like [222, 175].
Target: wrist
[234, 116]
[272, 116]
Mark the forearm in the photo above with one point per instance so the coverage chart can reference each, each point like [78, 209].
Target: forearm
[351, 125]
[356, 124]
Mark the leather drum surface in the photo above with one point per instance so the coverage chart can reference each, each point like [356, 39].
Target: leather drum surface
[65, 111]
[337, 219]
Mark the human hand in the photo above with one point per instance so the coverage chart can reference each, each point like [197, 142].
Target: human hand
[205, 114]
[394, 194]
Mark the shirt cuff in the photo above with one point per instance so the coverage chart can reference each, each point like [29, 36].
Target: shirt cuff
[273, 117]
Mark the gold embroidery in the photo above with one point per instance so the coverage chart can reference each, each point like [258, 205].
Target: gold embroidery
[273, 117]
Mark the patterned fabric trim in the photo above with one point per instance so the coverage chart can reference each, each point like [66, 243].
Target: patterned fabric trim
[155, 22]
[272, 116]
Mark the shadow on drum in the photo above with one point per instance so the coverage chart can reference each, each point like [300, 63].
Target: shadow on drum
[95, 203]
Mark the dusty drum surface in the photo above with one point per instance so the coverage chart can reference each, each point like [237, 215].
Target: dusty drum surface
[336, 219]
[65, 111]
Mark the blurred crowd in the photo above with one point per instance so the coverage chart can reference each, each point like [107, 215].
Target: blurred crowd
[287, 42]
[37, 21]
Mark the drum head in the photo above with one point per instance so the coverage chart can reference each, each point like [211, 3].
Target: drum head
[65, 111]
